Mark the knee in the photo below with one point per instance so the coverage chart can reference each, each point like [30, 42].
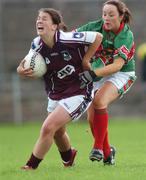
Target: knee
[47, 130]
[99, 103]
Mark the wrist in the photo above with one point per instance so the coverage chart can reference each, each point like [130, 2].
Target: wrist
[92, 73]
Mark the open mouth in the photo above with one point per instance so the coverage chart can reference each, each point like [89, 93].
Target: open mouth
[107, 25]
[40, 28]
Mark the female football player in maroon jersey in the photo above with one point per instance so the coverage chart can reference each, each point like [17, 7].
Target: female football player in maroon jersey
[63, 53]
[117, 73]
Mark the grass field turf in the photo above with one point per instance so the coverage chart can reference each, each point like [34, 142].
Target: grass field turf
[16, 143]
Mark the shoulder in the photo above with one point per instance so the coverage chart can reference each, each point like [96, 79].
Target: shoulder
[76, 37]
[36, 43]
[125, 37]
[126, 33]
[95, 23]
[70, 35]
[92, 26]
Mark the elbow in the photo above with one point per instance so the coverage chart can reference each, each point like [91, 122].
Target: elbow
[99, 37]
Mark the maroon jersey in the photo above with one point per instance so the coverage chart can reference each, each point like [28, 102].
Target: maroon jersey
[64, 62]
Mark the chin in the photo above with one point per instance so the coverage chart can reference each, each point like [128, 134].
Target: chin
[108, 27]
[39, 33]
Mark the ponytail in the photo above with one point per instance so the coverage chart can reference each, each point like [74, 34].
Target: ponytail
[127, 18]
[63, 26]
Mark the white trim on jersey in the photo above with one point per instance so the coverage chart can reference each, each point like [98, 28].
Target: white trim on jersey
[36, 40]
[36, 43]
[77, 37]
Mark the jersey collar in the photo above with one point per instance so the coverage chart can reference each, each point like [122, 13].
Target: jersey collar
[56, 37]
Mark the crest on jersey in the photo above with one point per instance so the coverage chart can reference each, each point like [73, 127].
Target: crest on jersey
[66, 55]
[47, 60]
[78, 35]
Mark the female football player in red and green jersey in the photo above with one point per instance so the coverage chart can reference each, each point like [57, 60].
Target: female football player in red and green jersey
[117, 73]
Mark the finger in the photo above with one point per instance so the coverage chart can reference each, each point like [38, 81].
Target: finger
[80, 78]
[83, 85]
[29, 70]
[29, 75]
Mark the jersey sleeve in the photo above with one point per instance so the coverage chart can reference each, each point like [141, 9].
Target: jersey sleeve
[85, 27]
[78, 37]
[125, 47]
[35, 46]
[91, 26]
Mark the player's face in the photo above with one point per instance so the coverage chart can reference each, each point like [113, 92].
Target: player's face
[44, 24]
[111, 17]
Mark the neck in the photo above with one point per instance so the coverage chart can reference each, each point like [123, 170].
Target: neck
[49, 40]
[120, 27]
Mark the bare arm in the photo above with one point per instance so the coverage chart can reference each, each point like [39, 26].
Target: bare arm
[91, 51]
[87, 76]
[110, 69]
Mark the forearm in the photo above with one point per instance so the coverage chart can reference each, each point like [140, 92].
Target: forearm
[109, 69]
[105, 71]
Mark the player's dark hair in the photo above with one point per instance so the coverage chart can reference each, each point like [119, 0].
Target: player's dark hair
[122, 9]
[56, 17]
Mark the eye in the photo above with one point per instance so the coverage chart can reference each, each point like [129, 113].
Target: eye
[104, 13]
[44, 19]
[111, 15]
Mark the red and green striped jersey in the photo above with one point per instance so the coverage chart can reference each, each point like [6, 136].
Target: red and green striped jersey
[114, 45]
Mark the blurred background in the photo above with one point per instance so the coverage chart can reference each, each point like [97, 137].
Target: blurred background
[24, 100]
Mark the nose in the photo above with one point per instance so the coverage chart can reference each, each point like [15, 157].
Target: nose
[106, 18]
[39, 21]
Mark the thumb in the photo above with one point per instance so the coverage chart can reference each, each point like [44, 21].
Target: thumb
[22, 63]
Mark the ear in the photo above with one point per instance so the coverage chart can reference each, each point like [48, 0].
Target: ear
[54, 27]
[121, 17]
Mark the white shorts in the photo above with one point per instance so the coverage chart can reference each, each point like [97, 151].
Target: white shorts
[75, 105]
[122, 80]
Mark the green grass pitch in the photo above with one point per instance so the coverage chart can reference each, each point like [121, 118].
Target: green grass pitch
[129, 137]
